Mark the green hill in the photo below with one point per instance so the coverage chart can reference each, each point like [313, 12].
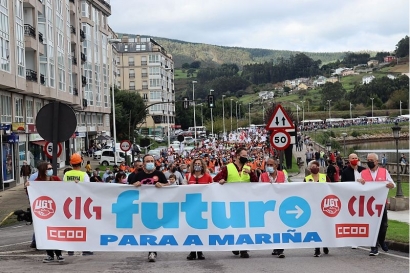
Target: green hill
[211, 55]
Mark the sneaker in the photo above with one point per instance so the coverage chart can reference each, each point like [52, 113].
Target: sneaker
[49, 259]
[151, 257]
[70, 253]
[325, 250]
[201, 256]
[374, 251]
[60, 259]
[281, 255]
[236, 252]
[86, 253]
[191, 256]
[384, 247]
[244, 254]
[317, 253]
[354, 247]
[275, 252]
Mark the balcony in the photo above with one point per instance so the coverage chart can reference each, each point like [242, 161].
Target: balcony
[131, 76]
[40, 37]
[42, 79]
[31, 75]
[105, 6]
[74, 60]
[83, 58]
[83, 80]
[82, 35]
[144, 75]
[75, 91]
[29, 30]
[143, 62]
[72, 29]
[145, 87]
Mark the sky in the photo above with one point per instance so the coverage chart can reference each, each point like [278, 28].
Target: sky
[297, 25]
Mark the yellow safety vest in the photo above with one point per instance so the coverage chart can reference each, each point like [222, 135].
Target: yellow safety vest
[322, 178]
[74, 175]
[233, 174]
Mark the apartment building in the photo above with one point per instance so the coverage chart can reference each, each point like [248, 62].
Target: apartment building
[52, 50]
[144, 66]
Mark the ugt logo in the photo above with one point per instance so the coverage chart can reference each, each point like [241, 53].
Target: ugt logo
[359, 206]
[331, 205]
[44, 207]
[78, 206]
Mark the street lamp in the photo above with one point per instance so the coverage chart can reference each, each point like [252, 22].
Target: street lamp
[400, 107]
[212, 119]
[303, 110]
[396, 134]
[344, 143]
[236, 111]
[193, 101]
[350, 109]
[223, 113]
[231, 115]
[202, 114]
[168, 102]
[249, 116]
[372, 107]
[328, 101]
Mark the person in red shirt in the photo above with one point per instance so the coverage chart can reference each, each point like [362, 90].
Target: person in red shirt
[198, 175]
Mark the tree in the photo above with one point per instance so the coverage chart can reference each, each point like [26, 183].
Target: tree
[195, 64]
[402, 47]
[185, 66]
[332, 91]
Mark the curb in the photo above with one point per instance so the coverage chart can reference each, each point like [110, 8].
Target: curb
[402, 247]
[5, 218]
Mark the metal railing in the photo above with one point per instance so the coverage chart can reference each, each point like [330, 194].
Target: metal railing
[74, 60]
[83, 57]
[82, 34]
[144, 75]
[29, 30]
[42, 79]
[75, 91]
[72, 29]
[40, 37]
[31, 75]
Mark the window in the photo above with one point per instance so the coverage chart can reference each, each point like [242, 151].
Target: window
[5, 103]
[155, 82]
[20, 38]
[132, 85]
[4, 36]
[38, 106]
[84, 9]
[131, 74]
[143, 60]
[130, 61]
[18, 110]
[154, 71]
[155, 95]
[154, 58]
[29, 111]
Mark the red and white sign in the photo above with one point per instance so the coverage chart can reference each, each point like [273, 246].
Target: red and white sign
[280, 140]
[48, 149]
[352, 230]
[279, 120]
[67, 234]
[125, 145]
[331, 205]
[44, 207]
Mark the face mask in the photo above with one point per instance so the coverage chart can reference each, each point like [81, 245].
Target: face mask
[371, 164]
[150, 166]
[184, 170]
[49, 173]
[197, 168]
[243, 160]
[314, 170]
[354, 162]
[270, 169]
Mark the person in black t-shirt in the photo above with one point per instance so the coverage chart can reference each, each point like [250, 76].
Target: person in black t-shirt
[95, 177]
[149, 175]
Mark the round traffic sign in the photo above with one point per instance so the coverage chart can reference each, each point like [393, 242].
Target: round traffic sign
[48, 149]
[180, 138]
[280, 139]
[125, 145]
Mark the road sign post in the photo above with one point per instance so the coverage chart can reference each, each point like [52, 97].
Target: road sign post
[48, 149]
[280, 139]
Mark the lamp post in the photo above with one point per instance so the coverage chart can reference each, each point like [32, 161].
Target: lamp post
[400, 107]
[223, 113]
[249, 116]
[202, 114]
[193, 101]
[303, 110]
[344, 143]
[372, 107]
[231, 115]
[212, 118]
[328, 101]
[168, 125]
[396, 134]
[236, 111]
[350, 109]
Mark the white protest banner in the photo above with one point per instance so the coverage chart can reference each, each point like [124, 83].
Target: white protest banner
[252, 216]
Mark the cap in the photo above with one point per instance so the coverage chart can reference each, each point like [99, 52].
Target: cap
[75, 159]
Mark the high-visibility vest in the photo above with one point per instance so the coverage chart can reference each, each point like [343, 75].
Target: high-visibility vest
[322, 178]
[74, 175]
[234, 176]
[380, 176]
[280, 177]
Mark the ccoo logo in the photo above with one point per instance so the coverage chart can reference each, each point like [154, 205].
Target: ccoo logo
[331, 205]
[44, 207]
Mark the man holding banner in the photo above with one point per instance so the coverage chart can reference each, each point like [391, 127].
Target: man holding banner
[377, 174]
[234, 172]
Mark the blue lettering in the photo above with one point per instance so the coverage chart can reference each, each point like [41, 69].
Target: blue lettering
[125, 208]
[128, 240]
[170, 215]
[193, 207]
[295, 238]
[244, 239]
[148, 240]
[168, 240]
[193, 240]
[105, 239]
[237, 219]
[216, 239]
[312, 236]
[257, 212]
[262, 238]
[276, 238]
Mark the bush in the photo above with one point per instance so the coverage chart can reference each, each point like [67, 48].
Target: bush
[355, 134]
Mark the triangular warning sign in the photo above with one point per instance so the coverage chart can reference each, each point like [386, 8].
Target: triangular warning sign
[279, 120]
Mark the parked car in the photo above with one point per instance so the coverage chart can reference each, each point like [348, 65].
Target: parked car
[107, 157]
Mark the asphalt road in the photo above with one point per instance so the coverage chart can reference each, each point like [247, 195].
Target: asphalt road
[16, 257]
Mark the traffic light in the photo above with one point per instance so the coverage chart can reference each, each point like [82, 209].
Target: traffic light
[211, 101]
[185, 103]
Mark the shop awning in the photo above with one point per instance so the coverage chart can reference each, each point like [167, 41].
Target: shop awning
[39, 142]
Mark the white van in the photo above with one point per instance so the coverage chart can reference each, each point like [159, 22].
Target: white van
[107, 157]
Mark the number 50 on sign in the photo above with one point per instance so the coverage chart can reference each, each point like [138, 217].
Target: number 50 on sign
[280, 139]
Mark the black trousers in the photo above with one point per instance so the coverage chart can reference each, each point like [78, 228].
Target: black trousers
[51, 253]
[383, 228]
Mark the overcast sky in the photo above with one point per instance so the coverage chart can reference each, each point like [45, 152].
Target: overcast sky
[300, 25]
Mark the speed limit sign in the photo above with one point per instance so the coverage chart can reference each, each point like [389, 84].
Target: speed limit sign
[280, 139]
[48, 149]
[125, 145]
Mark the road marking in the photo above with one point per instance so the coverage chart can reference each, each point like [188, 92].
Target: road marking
[17, 251]
[7, 217]
[386, 253]
[16, 244]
